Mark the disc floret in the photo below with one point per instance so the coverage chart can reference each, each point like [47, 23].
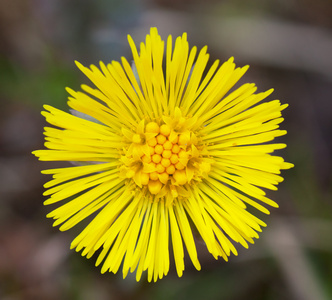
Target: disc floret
[164, 156]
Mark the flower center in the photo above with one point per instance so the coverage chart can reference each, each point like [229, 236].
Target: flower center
[164, 157]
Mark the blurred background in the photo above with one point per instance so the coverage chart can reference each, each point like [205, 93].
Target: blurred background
[287, 43]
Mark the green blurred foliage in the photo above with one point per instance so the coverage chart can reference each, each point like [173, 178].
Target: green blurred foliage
[38, 87]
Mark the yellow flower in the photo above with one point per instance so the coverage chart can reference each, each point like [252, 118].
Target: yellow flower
[160, 152]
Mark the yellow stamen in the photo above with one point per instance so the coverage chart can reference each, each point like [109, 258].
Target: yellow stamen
[183, 154]
[174, 159]
[168, 145]
[165, 130]
[156, 158]
[170, 169]
[137, 138]
[152, 127]
[163, 177]
[145, 178]
[158, 149]
[176, 148]
[161, 139]
[180, 166]
[146, 159]
[154, 176]
[154, 186]
[184, 139]
[160, 168]
[167, 153]
[180, 177]
[152, 142]
[165, 162]
[165, 157]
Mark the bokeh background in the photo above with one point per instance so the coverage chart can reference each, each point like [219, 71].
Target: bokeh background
[287, 43]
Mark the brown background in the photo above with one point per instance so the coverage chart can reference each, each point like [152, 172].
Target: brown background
[288, 44]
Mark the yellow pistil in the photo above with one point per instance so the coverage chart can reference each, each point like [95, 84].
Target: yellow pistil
[161, 154]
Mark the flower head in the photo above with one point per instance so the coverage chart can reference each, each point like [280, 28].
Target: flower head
[159, 151]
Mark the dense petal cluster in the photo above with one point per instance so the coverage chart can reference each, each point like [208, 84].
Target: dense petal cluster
[158, 151]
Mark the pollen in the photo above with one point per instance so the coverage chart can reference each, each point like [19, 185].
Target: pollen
[159, 156]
